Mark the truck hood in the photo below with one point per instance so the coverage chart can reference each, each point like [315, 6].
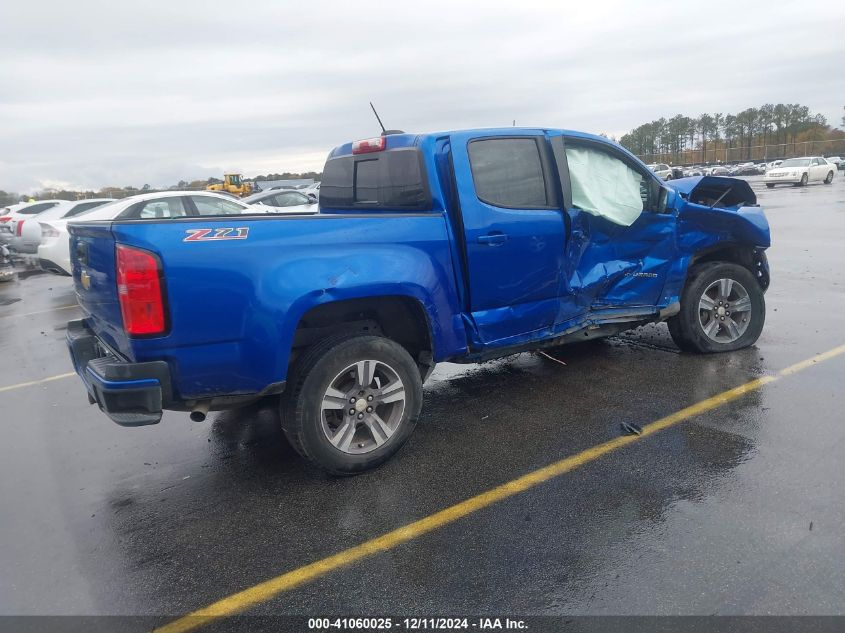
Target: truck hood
[740, 189]
[718, 208]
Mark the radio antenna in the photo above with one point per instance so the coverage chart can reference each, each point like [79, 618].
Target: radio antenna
[378, 118]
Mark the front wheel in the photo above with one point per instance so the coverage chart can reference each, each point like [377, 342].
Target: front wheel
[803, 182]
[722, 309]
[770, 185]
[354, 402]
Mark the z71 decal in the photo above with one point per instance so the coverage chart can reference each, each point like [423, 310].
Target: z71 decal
[208, 235]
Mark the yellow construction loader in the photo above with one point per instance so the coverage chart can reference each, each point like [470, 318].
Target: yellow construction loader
[232, 183]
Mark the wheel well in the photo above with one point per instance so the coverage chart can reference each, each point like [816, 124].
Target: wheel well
[401, 319]
[754, 259]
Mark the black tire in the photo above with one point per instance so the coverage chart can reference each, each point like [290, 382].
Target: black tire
[829, 178]
[314, 371]
[803, 182]
[685, 327]
[770, 185]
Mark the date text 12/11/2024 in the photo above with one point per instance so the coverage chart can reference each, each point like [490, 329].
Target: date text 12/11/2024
[415, 624]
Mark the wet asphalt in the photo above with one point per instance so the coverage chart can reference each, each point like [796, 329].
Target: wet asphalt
[737, 511]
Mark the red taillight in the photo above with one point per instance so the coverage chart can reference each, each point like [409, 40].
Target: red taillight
[5, 218]
[139, 291]
[368, 145]
[20, 228]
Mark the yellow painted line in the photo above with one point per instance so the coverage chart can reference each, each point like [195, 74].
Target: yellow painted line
[26, 314]
[31, 383]
[262, 592]
[804, 364]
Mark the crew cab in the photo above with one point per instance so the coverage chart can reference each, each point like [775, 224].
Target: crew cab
[458, 246]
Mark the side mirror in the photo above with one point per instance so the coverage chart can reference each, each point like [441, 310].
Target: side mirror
[662, 199]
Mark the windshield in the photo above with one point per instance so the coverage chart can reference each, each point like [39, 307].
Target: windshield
[796, 162]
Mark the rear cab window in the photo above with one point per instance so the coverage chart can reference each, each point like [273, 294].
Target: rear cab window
[392, 179]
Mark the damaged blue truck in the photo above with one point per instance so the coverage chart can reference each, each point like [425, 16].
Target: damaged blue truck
[457, 246]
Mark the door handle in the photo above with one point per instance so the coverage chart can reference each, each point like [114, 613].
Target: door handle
[493, 239]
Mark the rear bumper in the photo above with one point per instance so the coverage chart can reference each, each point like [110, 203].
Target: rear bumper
[52, 267]
[131, 394]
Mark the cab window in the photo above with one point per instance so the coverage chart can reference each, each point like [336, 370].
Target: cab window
[605, 185]
[508, 172]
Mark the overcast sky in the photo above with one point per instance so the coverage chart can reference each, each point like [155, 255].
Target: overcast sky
[120, 93]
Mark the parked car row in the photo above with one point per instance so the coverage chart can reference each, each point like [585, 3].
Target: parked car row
[667, 172]
[12, 219]
[41, 227]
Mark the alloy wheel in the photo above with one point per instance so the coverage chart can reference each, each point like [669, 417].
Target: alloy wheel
[724, 310]
[362, 407]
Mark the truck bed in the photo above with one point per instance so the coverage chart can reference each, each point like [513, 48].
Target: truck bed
[234, 303]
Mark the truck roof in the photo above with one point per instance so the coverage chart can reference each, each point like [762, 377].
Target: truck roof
[395, 141]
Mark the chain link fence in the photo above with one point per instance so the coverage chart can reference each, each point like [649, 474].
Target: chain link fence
[755, 153]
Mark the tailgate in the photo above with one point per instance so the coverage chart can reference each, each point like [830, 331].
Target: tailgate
[92, 256]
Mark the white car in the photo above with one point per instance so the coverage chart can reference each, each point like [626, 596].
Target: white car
[28, 231]
[800, 171]
[836, 160]
[54, 250]
[11, 216]
[313, 190]
[662, 170]
[283, 201]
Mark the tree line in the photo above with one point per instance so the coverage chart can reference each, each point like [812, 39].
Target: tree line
[768, 131]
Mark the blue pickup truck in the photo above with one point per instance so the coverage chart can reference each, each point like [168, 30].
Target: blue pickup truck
[456, 246]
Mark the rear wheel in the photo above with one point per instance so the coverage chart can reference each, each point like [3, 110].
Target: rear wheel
[722, 309]
[829, 178]
[354, 402]
[770, 185]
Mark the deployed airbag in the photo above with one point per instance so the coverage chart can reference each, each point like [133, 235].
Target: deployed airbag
[604, 186]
